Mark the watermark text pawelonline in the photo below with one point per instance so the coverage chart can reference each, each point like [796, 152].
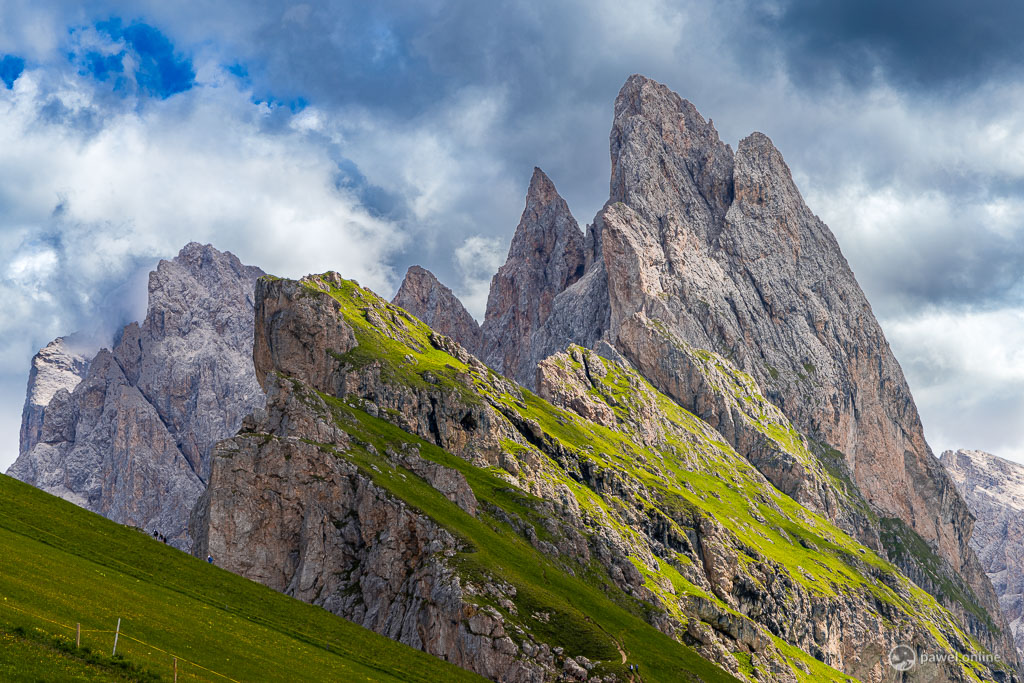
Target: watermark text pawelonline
[905, 657]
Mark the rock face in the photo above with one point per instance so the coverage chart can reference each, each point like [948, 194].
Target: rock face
[994, 491]
[426, 298]
[132, 439]
[546, 257]
[397, 481]
[57, 366]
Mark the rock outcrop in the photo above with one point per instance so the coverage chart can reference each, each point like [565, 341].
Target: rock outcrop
[426, 298]
[545, 258]
[132, 439]
[58, 366]
[994, 491]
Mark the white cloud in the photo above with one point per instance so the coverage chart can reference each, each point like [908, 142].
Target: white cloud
[966, 371]
[86, 207]
[478, 259]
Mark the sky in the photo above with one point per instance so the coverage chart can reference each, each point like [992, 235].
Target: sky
[367, 137]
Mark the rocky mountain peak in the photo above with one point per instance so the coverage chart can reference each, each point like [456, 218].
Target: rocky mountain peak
[542, 190]
[546, 256]
[718, 251]
[547, 235]
[665, 154]
[425, 297]
[994, 491]
[58, 366]
[132, 439]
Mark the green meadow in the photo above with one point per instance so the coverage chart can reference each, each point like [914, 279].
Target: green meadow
[61, 565]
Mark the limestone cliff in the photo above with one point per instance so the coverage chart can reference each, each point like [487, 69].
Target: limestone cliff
[717, 250]
[132, 439]
[994, 491]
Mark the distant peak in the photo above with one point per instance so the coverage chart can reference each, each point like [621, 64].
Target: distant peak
[419, 271]
[418, 276]
[541, 188]
[430, 300]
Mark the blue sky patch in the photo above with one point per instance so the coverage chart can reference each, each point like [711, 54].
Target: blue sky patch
[294, 105]
[158, 70]
[103, 66]
[10, 69]
[240, 71]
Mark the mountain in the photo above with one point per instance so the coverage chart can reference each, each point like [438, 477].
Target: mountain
[84, 569]
[398, 482]
[437, 306]
[994, 491]
[57, 366]
[700, 248]
[677, 441]
[128, 433]
[546, 257]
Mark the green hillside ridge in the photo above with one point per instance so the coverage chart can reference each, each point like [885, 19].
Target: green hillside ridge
[60, 563]
[691, 474]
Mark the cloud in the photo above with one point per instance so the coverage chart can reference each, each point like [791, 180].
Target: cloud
[90, 208]
[918, 44]
[370, 136]
[966, 371]
[478, 259]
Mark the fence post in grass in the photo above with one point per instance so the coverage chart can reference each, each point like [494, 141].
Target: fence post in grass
[78, 635]
[175, 670]
[116, 634]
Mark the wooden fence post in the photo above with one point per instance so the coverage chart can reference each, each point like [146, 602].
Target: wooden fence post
[175, 670]
[116, 634]
[78, 635]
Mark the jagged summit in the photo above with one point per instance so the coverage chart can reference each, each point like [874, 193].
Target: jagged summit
[132, 439]
[541, 189]
[546, 256]
[423, 295]
[664, 155]
[718, 250]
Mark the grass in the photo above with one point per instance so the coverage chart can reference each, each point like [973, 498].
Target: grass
[61, 565]
[904, 544]
[582, 617]
[38, 656]
[687, 474]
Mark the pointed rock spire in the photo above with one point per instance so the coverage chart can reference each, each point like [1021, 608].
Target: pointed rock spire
[546, 257]
[666, 157]
[425, 297]
[721, 250]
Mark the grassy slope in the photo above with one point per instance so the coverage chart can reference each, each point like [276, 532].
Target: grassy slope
[703, 474]
[69, 565]
[584, 617]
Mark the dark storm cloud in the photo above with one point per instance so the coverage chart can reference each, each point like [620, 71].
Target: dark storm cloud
[923, 44]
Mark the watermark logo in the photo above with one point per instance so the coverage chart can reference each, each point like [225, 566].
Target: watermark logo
[902, 658]
[905, 658]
